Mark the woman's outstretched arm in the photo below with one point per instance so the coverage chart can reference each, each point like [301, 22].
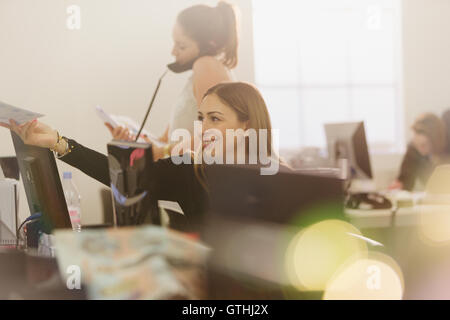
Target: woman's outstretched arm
[36, 133]
[90, 162]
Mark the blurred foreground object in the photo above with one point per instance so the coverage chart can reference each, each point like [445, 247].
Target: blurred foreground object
[134, 263]
[377, 277]
[435, 210]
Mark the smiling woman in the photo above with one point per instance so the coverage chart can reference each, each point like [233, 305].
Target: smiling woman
[234, 106]
[226, 106]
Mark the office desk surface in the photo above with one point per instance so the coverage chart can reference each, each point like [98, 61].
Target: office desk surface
[25, 276]
[384, 218]
[401, 217]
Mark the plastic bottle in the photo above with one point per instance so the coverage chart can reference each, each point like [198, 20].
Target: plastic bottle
[73, 200]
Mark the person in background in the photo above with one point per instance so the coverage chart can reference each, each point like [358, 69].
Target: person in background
[428, 148]
[206, 42]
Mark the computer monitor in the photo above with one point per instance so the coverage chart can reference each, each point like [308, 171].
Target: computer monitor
[10, 167]
[240, 191]
[348, 141]
[251, 216]
[42, 184]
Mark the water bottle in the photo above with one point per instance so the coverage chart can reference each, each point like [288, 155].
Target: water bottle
[73, 200]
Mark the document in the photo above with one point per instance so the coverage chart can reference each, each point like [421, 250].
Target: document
[170, 205]
[126, 122]
[17, 114]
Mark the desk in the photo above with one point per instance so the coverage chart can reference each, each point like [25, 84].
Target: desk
[28, 276]
[384, 218]
[403, 216]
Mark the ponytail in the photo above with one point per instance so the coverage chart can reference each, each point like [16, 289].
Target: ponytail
[214, 29]
[229, 18]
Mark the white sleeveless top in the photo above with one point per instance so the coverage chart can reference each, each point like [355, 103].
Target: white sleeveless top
[185, 111]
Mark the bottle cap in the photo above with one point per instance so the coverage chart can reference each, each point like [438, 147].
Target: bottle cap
[67, 175]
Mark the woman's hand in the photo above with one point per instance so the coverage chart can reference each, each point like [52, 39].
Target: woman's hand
[165, 137]
[120, 133]
[396, 185]
[33, 133]
[175, 149]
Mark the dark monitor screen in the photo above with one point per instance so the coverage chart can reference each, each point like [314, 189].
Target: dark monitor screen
[42, 184]
[251, 217]
[242, 192]
[348, 141]
[10, 167]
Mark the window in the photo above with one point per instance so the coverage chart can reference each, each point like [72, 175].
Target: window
[319, 61]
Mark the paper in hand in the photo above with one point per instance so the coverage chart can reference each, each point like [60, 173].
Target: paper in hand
[17, 114]
[127, 122]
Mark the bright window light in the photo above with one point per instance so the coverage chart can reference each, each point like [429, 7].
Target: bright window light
[319, 61]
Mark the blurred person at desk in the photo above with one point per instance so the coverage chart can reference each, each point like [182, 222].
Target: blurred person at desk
[206, 42]
[234, 105]
[428, 149]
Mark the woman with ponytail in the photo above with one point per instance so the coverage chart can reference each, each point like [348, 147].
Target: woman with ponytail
[206, 42]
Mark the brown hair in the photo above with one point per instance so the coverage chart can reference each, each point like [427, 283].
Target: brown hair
[248, 103]
[434, 129]
[214, 29]
[246, 100]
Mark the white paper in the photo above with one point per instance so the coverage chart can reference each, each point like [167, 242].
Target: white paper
[17, 114]
[170, 205]
[127, 122]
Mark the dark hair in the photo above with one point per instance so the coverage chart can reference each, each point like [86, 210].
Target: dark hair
[434, 128]
[214, 29]
[248, 103]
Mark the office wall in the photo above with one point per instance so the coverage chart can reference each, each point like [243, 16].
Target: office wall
[426, 70]
[114, 60]
[426, 46]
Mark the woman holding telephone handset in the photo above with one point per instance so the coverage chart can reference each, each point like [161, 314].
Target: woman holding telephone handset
[206, 42]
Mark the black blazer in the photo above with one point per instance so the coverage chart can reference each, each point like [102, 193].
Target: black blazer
[414, 167]
[173, 182]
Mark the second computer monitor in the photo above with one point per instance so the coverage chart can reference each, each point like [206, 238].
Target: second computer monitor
[348, 141]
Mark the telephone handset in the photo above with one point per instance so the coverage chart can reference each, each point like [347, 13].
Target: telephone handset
[179, 68]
